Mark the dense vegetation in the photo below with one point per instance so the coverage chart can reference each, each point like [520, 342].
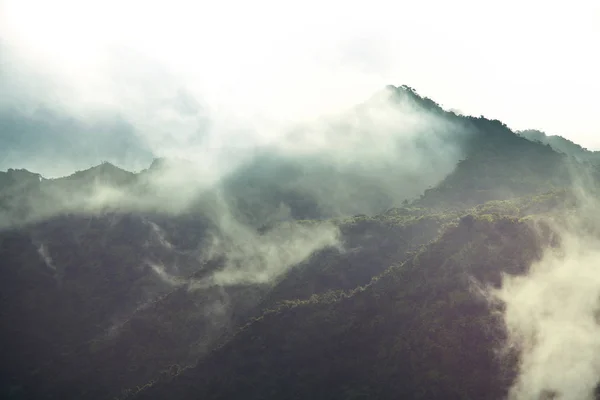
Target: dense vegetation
[416, 331]
[96, 301]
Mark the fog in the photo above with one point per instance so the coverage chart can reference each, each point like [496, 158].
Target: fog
[277, 62]
[257, 117]
[551, 313]
[237, 104]
[252, 130]
[246, 165]
[364, 159]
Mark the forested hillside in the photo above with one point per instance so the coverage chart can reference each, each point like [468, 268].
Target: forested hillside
[291, 276]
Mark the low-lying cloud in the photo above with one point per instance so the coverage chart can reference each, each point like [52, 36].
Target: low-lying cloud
[260, 259]
[79, 94]
[252, 141]
[552, 313]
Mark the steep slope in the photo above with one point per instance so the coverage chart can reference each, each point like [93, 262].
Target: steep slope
[500, 165]
[364, 161]
[562, 145]
[110, 277]
[69, 280]
[488, 162]
[28, 197]
[392, 148]
[105, 173]
[418, 331]
[120, 310]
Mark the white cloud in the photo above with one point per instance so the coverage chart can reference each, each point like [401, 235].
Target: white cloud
[552, 313]
[258, 66]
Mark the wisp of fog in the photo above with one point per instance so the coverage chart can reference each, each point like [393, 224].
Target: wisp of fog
[269, 145]
[552, 313]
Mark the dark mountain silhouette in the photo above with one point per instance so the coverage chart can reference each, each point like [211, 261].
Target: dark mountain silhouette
[290, 277]
[417, 331]
[562, 145]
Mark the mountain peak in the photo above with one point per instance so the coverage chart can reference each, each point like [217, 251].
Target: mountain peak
[18, 176]
[104, 168]
[405, 92]
[162, 163]
[104, 172]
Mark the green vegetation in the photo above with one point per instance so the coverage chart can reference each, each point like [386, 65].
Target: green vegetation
[101, 303]
[418, 330]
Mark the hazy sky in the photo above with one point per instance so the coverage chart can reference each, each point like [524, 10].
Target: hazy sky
[163, 66]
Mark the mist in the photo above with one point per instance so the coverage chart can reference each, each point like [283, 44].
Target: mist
[227, 140]
[365, 159]
[203, 121]
[235, 107]
[251, 174]
[252, 259]
[552, 312]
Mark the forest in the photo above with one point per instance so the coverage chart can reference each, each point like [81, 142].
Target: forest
[311, 278]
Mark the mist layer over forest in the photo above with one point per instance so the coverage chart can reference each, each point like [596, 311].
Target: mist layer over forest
[395, 249]
[225, 201]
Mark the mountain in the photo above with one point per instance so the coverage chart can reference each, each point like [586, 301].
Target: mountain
[356, 270]
[501, 166]
[562, 145]
[416, 331]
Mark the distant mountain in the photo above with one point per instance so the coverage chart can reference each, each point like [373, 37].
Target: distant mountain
[105, 173]
[562, 145]
[344, 270]
[500, 165]
[473, 158]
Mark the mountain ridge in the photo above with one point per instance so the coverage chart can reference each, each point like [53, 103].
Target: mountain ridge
[400, 93]
[265, 284]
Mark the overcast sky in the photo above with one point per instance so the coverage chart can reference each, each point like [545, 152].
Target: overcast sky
[166, 70]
